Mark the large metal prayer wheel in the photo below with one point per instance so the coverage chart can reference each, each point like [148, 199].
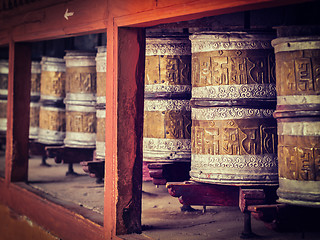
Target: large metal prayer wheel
[34, 100]
[52, 109]
[101, 63]
[4, 70]
[80, 99]
[233, 98]
[167, 115]
[298, 116]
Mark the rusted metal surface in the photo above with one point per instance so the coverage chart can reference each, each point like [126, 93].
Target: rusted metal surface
[233, 99]
[167, 118]
[298, 115]
[80, 99]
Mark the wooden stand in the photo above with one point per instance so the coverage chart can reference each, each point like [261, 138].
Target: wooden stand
[62, 154]
[161, 173]
[193, 193]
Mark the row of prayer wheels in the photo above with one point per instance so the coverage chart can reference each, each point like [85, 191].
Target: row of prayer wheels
[67, 100]
[214, 101]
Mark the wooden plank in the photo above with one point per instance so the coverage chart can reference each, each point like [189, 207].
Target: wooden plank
[19, 82]
[173, 11]
[52, 214]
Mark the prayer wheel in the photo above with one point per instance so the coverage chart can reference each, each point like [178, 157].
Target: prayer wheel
[80, 99]
[167, 115]
[51, 124]
[233, 133]
[101, 62]
[53, 77]
[298, 115]
[34, 100]
[52, 109]
[4, 70]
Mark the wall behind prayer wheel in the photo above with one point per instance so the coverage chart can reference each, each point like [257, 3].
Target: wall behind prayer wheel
[233, 98]
[298, 116]
[167, 116]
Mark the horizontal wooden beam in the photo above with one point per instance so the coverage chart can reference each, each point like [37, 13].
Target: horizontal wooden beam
[52, 214]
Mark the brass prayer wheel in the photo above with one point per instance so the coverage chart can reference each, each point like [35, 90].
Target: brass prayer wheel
[100, 141]
[51, 125]
[80, 99]
[101, 61]
[34, 99]
[233, 137]
[298, 116]
[167, 115]
[52, 83]
[4, 70]
[101, 64]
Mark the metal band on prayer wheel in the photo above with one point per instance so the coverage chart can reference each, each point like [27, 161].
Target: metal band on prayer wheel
[167, 116]
[233, 98]
[80, 99]
[4, 70]
[298, 117]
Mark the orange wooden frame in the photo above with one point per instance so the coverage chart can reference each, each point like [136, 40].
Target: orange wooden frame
[124, 22]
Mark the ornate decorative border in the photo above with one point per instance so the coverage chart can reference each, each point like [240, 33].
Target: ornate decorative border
[221, 113]
[165, 105]
[298, 99]
[244, 91]
[51, 64]
[215, 41]
[299, 128]
[156, 88]
[167, 46]
[287, 44]
[223, 163]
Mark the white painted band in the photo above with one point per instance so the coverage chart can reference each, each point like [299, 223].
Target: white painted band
[299, 128]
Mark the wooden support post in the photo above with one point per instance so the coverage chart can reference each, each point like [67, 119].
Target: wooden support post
[19, 82]
[125, 91]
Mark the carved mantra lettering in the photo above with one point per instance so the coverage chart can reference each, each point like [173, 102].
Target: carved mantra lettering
[52, 120]
[101, 84]
[83, 82]
[35, 82]
[3, 109]
[101, 129]
[230, 138]
[298, 72]
[80, 122]
[299, 163]
[168, 70]
[228, 70]
[53, 83]
[34, 116]
[178, 124]
[3, 81]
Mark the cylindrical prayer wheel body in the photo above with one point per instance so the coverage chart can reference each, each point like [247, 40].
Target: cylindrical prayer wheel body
[51, 125]
[167, 115]
[80, 99]
[52, 83]
[233, 134]
[34, 100]
[101, 64]
[100, 141]
[101, 61]
[298, 117]
[4, 70]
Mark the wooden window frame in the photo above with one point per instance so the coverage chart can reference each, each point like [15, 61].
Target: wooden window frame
[124, 103]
